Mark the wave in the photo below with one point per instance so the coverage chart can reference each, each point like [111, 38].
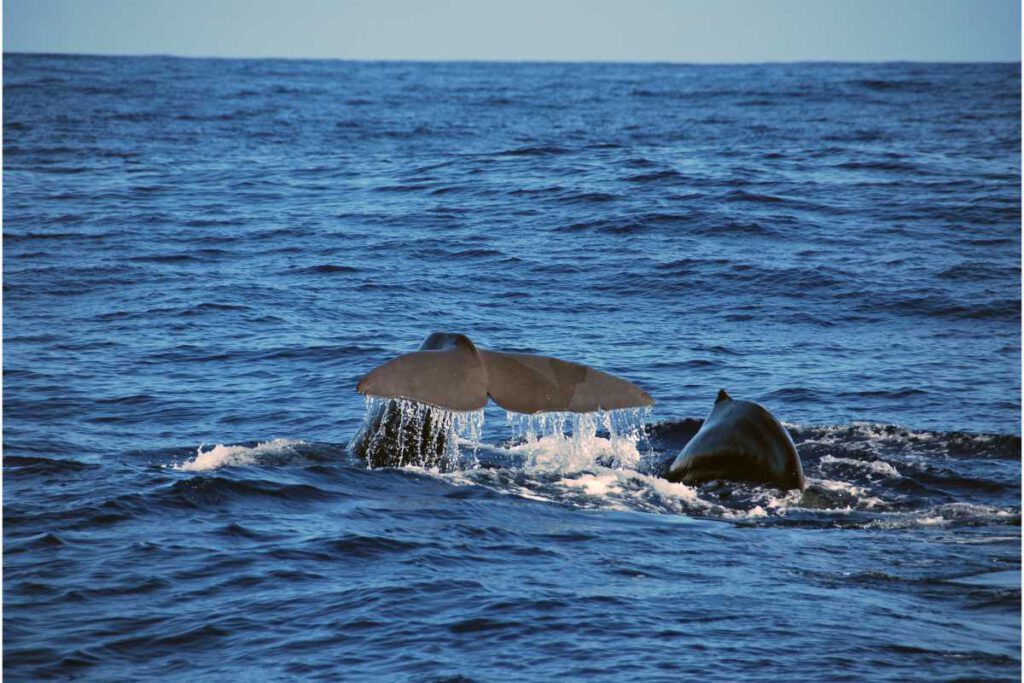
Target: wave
[738, 228]
[265, 453]
[941, 306]
[898, 85]
[977, 272]
[753, 197]
[535, 150]
[655, 176]
[33, 466]
[325, 269]
[894, 166]
[166, 258]
[861, 475]
[887, 436]
[590, 198]
[205, 491]
[32, 236]
[476, 253]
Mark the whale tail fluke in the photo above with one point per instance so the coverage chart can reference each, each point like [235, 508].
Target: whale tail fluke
[450, 372]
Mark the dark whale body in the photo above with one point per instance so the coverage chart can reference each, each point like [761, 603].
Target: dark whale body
[740, 441]
[449, 374]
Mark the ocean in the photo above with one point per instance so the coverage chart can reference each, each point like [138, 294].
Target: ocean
[202, 257]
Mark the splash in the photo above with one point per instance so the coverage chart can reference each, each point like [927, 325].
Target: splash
[587, 460]
[234, 456]
[570, 441]
[399, 432]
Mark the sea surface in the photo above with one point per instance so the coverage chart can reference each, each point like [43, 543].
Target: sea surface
[202, 257]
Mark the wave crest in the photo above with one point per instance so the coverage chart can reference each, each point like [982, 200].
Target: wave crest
[267, 452]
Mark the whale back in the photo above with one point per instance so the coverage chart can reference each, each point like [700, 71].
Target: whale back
[450, 372]
[740, 441]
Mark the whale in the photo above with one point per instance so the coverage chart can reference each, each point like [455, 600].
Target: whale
[424, 392]
[740, 441]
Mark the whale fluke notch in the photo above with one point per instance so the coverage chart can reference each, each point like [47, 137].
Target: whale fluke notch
[446, 372]
[450, 372]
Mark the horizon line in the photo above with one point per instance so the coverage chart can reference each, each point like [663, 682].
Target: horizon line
[466, 60]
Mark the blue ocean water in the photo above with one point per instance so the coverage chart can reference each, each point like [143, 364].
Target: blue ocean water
[202, 257]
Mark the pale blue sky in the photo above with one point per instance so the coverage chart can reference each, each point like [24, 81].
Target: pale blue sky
[555, 30]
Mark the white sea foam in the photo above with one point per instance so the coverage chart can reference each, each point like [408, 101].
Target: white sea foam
[941, 515]
[756, 511]
[861, 499]
[593, 487]
[572, 453]
[569, 441]
[233, 456]
[632, 490]
[840, 486]
[565, 461]
[775, 502]
[877, 466]
[594, 484]
[580, 471]
[877, 437]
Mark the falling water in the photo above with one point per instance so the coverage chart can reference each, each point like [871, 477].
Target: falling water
[399, 432]
[571, 441]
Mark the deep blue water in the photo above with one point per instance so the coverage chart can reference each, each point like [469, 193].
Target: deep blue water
[202, 257]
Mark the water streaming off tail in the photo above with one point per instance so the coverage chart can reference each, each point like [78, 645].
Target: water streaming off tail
[573, 441]
[398, 432]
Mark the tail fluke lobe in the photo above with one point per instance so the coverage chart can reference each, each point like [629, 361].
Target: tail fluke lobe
[524, 383]
[448, 373]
